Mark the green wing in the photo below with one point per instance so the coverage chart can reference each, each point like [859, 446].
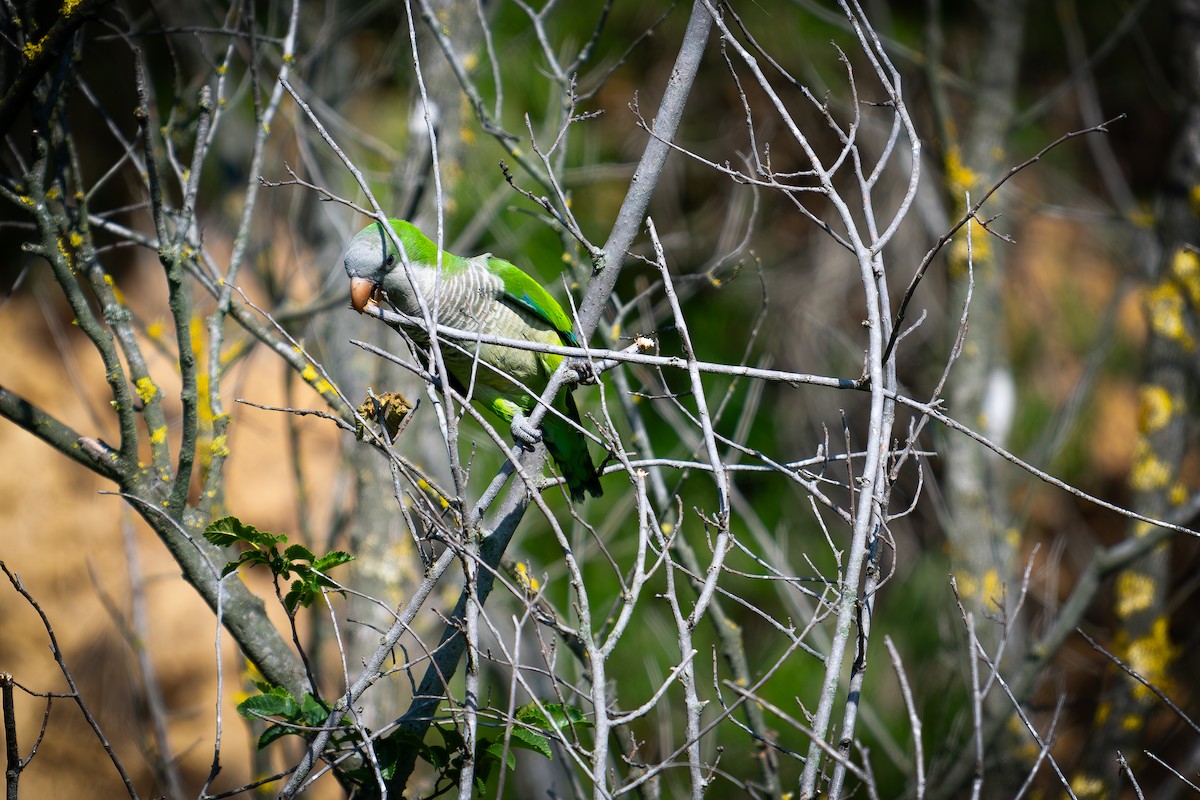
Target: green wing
[567, 446]
[523, 290]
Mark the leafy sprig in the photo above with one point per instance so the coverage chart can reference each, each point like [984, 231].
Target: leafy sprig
[263, 548]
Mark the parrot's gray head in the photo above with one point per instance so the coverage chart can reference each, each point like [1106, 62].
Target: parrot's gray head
[369, 257]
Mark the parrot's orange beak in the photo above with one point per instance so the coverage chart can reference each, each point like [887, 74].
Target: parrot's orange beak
[361, 292]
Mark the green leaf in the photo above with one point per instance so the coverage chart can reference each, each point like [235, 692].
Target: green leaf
[253, 557]
[311, 710]
[495, 751]
[438, 756]
[561, 717]
[304, 593]
[452, 738]
[332, 559]
[274, 732]
[277, 703]
[227, 530]
[528, 740]
[224, 531]
[297, 552]
[291, 600]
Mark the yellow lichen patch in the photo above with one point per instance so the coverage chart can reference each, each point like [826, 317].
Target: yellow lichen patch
[146, 389]
[233, 352]
[666, 528]
[1131, 722]
[62, 250]
[959, 177]
[32, 50]
[1155, 407]
[1141, 528]
[993, 587]
[240, 695]
[1103, 710]
[1177, 494]
[980, 250]
[968, 585]
[1087, 786]
[1135, 592]
[266, 784]
[526, 579]
[314, 379]
[1012, 538]
[1185, 267]
[1150, 657]
[220, 446]
[76, 239]
[203, 402]
[158, 435]
[118, 295]
[1142, 218]
[155, 329]
[1164, 307]
[69, 6]
[424, 486]
[1150, 473]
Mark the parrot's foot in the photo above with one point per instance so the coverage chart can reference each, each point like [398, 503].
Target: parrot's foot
[524, 433]
[584, 371]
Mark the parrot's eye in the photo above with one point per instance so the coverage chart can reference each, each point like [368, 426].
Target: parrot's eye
[390, 260]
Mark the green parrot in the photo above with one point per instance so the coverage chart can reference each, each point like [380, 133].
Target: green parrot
[488, 295]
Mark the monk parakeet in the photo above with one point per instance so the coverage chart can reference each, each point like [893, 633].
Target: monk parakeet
[489, 295]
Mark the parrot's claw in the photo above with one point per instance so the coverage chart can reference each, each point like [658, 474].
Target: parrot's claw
[524, 433]
[584, 370]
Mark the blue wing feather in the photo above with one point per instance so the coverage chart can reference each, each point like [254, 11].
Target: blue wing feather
[530, 295]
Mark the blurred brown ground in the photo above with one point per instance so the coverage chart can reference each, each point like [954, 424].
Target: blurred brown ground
[65, 541]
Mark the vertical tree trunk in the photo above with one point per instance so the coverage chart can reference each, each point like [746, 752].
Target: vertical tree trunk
[386, 559]
[1166, 414]
[982, 545]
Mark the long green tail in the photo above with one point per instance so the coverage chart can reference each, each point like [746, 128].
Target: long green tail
[568, 448]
